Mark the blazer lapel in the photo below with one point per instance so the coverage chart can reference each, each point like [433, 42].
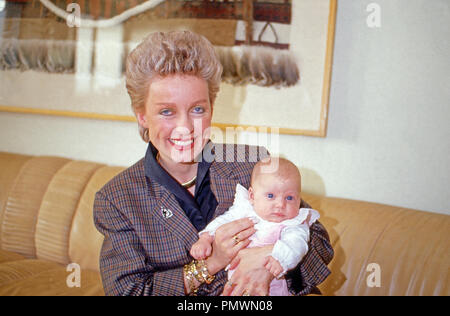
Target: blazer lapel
[230, 167]
[169, 213]
[223, 185]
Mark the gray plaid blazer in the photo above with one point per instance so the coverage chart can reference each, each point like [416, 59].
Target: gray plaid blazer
[145, 246]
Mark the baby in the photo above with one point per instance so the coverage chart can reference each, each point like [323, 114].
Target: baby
[273, 201]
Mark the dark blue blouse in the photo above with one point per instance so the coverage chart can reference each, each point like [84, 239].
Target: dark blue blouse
[199, 208]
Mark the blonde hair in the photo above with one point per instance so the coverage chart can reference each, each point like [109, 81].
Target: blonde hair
[161, 54]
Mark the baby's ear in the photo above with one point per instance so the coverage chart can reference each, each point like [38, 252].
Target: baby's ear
[251, 195]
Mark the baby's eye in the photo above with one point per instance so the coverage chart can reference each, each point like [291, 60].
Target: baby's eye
[270, 195]
[289, 198]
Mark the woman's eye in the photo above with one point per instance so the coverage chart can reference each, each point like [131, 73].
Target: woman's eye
[270, 195]
[198, 109]
[165, 112]
[289, 198]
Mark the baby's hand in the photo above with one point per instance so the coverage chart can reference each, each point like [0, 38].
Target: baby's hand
[274, 267]
[201, 249]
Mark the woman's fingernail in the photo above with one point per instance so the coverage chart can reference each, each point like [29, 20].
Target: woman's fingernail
[254, 220]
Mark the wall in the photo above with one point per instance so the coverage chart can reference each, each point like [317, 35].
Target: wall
[388, 132]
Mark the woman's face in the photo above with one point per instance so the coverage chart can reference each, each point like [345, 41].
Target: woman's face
[178, 115]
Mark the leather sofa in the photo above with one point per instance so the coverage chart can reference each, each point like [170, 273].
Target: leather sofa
[46, 223]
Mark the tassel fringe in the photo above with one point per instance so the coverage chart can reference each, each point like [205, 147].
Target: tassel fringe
[242, 65]
[43, 55]
[258, 65]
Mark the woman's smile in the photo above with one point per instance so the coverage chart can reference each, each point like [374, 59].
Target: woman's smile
[181, 145]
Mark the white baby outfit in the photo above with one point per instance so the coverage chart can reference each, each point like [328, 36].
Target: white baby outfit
[290, 237]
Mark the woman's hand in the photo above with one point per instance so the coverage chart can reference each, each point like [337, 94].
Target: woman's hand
[251, 277]
[229, 240]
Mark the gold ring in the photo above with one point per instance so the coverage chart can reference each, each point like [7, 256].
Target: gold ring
[245, 293]
[230, 283]
[236, 239]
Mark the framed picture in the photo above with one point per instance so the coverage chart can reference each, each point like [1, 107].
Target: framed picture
[277, 57]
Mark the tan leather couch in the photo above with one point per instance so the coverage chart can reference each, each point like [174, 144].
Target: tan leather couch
[46, 223]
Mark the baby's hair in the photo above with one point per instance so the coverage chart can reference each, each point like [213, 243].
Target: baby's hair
[278, 166]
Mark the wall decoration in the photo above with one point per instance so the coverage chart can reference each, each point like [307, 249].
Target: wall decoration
[276, 54]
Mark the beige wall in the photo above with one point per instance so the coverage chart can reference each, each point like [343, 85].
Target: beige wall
[388, 132]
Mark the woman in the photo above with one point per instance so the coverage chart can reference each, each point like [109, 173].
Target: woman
[150, 214]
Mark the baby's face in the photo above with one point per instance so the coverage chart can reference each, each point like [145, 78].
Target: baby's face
[275, 199]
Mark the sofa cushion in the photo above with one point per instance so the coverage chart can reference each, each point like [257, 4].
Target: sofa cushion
[39, 277]
[6, 256]
[13, 271]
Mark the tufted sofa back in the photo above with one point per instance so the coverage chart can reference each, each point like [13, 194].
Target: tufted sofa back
[46, 208]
